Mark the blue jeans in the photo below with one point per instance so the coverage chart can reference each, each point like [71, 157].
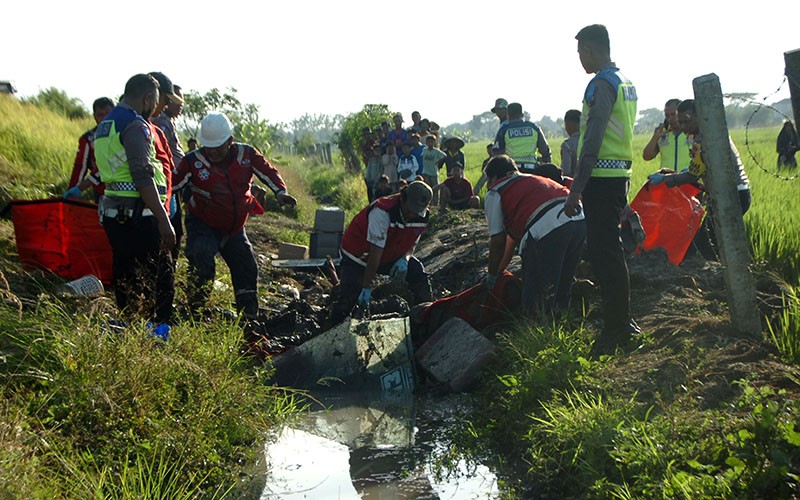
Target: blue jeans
[202, 245]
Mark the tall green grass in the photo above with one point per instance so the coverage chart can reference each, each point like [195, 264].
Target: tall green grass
[120, 413]
[38, 148]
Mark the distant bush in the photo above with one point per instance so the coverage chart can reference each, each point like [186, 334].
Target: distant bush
[60, 103]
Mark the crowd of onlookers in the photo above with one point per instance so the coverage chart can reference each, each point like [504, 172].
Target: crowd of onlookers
[396, 156]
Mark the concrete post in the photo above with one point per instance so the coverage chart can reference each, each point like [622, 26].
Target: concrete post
[792, 59]
[728, 223]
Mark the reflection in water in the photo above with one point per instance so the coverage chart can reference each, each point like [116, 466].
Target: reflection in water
[375, 448]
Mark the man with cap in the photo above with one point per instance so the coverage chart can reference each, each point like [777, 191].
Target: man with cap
[520, 139]
[500, 110]
[219, 175]
[381, 240]
[132, 209]
[528, 210]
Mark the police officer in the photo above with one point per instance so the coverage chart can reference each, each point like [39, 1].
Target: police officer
[132, 210]
[602, 178]
[669, 142]
[520, 139]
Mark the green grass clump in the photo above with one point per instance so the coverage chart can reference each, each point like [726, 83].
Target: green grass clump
[38, 149]
[114, 413]
[579, 437]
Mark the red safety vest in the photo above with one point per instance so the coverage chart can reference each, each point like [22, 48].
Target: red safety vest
[221, 194]
[401, 238]
[521, 195]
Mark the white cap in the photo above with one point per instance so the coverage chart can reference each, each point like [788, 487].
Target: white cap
[215, 129]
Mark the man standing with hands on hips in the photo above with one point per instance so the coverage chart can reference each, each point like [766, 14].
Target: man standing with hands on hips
[602, 180]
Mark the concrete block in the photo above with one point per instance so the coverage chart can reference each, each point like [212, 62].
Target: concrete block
[329, 220]
[455, 354]
[374, 354]
[324, 244]
[289, 251]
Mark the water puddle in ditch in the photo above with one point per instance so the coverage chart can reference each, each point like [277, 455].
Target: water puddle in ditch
[375, 446]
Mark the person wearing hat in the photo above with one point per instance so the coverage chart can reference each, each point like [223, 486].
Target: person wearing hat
[528, 210]
[220, 175]
[500, 110]
[381, 240]
[132, 209]
[453, 155]
[521, 139]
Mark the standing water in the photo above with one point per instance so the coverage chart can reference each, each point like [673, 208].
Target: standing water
[373, 445]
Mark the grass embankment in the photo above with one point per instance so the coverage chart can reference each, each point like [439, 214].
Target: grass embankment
[92, 412]
[637, 426]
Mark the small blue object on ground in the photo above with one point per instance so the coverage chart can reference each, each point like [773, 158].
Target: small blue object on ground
[159, 331]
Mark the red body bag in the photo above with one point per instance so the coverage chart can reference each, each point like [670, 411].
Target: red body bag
[670, 218]
[477, 306]
[63, 236]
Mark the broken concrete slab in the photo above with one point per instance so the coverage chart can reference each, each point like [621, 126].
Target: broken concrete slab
[369, 354]
[455, 354]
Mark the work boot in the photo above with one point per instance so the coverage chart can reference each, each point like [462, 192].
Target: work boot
[611, 339]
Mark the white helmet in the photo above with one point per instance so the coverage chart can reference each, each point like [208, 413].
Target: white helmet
[215, 129]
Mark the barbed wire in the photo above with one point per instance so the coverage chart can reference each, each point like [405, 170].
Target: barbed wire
[762, 104]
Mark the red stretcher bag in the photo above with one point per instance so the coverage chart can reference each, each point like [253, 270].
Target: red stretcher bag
[63, 236]
[476, 305]
[670, 218]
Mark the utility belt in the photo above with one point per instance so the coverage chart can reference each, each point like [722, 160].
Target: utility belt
[124, 214]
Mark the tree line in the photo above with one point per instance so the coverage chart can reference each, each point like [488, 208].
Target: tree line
[304, 132]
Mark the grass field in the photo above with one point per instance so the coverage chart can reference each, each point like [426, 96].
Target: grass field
[87, 413]
[773, 221]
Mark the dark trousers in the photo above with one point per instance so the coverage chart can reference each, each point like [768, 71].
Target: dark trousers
[202, 245]
[351, 278]
[548, 268]
[705, 241]
[176, 218]
[604, 200]
[144, 280]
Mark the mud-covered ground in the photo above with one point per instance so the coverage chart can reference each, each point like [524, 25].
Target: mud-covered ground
[682, 309]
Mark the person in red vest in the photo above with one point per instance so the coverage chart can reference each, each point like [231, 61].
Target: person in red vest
[84, 171]
[528, 210]
[219, 175]
[381, 240]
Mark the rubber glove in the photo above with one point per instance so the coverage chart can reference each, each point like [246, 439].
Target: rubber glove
[655, 179]
[73, 192]
[399, 269]
[490, 282]
[364, 296]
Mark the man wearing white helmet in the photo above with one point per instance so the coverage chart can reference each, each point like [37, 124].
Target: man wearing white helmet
[219, 175]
